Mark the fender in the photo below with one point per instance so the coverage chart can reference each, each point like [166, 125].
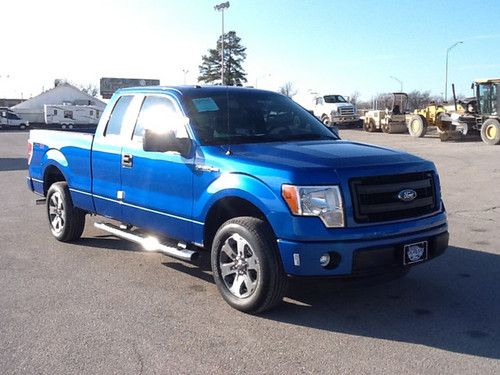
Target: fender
[245, 187]
[57, 159]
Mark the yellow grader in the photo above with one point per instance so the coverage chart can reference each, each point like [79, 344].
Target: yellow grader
[475, 115]
[432, 115]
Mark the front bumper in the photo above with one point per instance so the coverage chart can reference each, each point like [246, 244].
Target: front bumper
[344, 119]
[358, 257]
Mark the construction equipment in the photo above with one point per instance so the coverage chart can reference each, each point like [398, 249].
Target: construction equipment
[390, 120]
[432, 115]
[488, 105]
[478, 114]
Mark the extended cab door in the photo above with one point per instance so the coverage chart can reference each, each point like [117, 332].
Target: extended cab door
[107, 155]
[158, 186]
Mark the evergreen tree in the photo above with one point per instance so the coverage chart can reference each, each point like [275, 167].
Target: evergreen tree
[234, 56]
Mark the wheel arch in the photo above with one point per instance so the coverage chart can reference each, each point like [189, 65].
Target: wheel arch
[228, 208]
[52, 174]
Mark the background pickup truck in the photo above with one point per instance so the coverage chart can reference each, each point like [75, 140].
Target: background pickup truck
[335, 110]
[248, 175]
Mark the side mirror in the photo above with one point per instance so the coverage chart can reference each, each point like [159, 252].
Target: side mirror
[154, 141]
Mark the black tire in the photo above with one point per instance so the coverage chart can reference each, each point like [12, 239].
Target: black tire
[386, 128]
[369, 126]
[325, 120]
[246, 265]
[417, 127]
[66, 222]
[490, 132]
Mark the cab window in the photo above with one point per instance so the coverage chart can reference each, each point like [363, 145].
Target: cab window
[159, 112]
[118, 116]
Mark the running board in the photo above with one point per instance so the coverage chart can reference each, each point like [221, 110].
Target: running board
[149, 243]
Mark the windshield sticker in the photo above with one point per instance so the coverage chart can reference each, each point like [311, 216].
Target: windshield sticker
[205, 105]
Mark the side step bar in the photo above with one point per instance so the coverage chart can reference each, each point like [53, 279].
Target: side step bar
[149, 243]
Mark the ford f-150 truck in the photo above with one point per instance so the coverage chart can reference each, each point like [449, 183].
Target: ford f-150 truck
[248, 175]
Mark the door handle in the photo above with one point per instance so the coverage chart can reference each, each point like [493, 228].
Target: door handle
[127, 160]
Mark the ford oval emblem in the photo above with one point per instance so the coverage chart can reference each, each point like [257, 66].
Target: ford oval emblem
[407, 195]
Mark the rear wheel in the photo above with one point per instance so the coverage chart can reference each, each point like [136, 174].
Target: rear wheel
[246, 265]
[386, 128]
[66, 222]
[369, 126]
[417, 126]
[490, 132]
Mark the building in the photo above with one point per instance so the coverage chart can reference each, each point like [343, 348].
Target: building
[6, 103]
[32, 110]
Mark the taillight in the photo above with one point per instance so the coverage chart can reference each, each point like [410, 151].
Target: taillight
[30, 151]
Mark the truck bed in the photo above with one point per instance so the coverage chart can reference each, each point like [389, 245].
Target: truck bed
[68, 151]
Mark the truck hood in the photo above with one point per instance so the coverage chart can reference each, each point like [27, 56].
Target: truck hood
[339, 105]
[320, 161]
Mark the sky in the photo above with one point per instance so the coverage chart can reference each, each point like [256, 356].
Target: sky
[324, 46]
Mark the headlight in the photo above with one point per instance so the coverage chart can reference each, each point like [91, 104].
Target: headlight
[324, 202]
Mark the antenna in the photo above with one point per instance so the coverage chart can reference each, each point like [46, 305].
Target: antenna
[228, 151]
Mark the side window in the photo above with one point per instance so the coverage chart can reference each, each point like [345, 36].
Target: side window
[118, 115]
[158, 112]
[55, 112]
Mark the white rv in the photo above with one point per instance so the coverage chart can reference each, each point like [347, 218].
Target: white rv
[68, 116]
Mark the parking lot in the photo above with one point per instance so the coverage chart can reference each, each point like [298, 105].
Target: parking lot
[103, 306]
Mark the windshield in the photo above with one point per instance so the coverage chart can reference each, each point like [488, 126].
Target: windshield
[251, 117]
[488, 99]
[334, 99]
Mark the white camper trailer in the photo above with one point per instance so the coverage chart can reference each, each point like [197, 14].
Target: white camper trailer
[68, 116]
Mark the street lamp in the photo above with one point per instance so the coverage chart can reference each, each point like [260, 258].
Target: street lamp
[400, 83]
[446, 75]
[185, 71]
[220, 7]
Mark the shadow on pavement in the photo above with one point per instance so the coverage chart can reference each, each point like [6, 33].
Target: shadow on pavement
[13, 164]
[451, 303]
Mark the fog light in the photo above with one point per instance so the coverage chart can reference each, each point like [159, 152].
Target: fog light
[324, 260]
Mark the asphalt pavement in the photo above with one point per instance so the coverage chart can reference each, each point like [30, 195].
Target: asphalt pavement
[102, 306]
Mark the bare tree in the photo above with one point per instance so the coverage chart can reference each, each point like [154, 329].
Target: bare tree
[288, 89]
[89, 89]
[353, 98]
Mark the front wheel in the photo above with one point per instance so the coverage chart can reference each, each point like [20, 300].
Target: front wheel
[246, 265]
[490, 132]
[66, 222]
[369, 126]
[417, 126]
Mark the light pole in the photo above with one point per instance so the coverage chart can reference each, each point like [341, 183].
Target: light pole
[400, 83]
[220, 7]
[446, 74]
[185, 71]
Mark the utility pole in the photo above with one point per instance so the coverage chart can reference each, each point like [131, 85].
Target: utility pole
[446, 74]
[220, 7]
[185, 71]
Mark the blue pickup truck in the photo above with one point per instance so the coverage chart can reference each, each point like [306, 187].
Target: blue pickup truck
[248, 175]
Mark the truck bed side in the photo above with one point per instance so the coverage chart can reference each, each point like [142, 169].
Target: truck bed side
[57, 153]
